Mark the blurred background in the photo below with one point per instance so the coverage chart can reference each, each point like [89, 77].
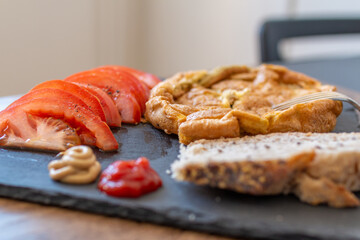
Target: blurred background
[49, 39]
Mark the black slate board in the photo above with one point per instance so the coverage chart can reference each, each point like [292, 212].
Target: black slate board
[24, 175]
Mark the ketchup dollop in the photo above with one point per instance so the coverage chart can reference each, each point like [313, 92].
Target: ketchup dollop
[129, 178]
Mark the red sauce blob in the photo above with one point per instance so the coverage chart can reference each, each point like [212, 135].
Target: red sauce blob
[129, 178]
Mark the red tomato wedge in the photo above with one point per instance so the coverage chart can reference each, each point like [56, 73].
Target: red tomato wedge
[124, 97]
[112, 115]
[58, 105]
[91, 100]
[21, 130]
[148, 79]
[48, 92]
[142, 90]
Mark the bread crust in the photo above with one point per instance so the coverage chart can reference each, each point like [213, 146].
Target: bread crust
[322, 190]
[207, 105]
[255, 178]
[318, 168]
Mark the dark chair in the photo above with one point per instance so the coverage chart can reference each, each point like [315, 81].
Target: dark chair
[273, 31]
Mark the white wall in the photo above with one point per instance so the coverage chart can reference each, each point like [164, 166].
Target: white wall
[166, 36]
[43, 40]
[187, 34]
[50, 39]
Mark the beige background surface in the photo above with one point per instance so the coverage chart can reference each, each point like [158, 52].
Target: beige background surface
[48, 39]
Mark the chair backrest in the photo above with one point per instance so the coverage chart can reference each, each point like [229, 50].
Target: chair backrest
[273, 31]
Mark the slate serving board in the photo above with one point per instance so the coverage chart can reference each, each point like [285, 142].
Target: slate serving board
[24, 176]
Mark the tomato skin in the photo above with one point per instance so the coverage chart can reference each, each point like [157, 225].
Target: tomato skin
[112, 115]
[148, 79]
[142, 90]
[92, 101]
[48, 92]
[124, 97]
[129, 178]
[70, 110]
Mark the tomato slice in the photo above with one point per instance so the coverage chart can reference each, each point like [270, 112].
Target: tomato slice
[67, 108]
[148, 79]
[112, 115]
[91, 100]
[141, 90]
[19, 121]
[48, 92]
[31, 132]
[123, 96]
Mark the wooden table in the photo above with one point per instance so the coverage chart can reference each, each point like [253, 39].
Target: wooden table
[21, 220]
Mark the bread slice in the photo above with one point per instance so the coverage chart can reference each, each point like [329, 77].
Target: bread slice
[320, 168]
